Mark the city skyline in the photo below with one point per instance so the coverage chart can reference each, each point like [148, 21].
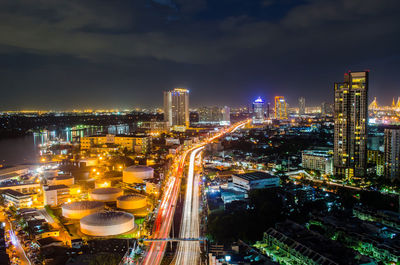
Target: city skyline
[192, 132]
[106, 55]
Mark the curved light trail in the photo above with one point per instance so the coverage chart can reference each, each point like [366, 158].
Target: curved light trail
[166, 211]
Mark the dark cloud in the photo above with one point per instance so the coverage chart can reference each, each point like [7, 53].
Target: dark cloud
[217, 47]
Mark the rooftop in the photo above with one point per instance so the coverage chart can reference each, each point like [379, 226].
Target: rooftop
[14, 193]
[252, 176]
[56, 187]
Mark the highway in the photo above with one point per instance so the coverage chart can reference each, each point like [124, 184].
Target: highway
[166, 211]
[19, 250]
[188, 252]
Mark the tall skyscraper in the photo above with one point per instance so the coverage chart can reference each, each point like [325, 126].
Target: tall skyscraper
[226, 116]
[280, 108]
[302, 106]
[323, 108]
[258, 111]
[268, 110]
[392, 153]
[350, 132]
[176, 108]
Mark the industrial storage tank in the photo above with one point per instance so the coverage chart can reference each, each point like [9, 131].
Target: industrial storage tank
[61, 180]
[107, 223]
[131, 202]
[106, 194]
[78, 210]
[137, 174]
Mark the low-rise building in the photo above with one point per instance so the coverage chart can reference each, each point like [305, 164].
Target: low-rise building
[253, 180]
[321, 160]
[136, 143]
[56, 194]
[154, 128]
[16, 198]
[292, 243]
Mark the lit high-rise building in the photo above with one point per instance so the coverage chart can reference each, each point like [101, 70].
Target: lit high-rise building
[350, 132]
[323, 108]
[176, 108]
[258, 111]
[280, 108]
[226, 116]
[392, 153]
[302, 106]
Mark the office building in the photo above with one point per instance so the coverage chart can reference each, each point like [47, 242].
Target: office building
[302, 106]
[376, 160]
[268, 112]
[392, 153]
[226, 116]
[320, 160]
[109, 142]
[17, 199]
[350, 130]
[154, 128]
[253, 180]
[56, 195]
[176, 108]
[214, 115]
[324, 108]
[258, 111]
[280, 108]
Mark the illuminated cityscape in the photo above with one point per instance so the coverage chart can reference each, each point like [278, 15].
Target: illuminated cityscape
[107, 157]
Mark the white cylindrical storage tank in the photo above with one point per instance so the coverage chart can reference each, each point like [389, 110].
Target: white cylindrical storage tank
[137, 174]
[107, 223]
[78, 210]
[61, 180]
[106, 194]
[131, 202]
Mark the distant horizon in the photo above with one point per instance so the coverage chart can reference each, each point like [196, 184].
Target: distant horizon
[83, 109]
[84, 54]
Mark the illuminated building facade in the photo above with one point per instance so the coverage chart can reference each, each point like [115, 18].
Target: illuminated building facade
[154, 127]
[350, 130]
[214, 115]
[392, 153]
[376, 158]
[17, 198]
[258, 111]
[137, 143]
[176, 107]
[320, 160]
[302, 106]
[280, 108]
[56, 195]
[226, 116]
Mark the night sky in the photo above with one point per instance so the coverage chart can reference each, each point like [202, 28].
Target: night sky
[64, 54]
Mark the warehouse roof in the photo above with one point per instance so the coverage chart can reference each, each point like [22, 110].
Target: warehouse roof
[252, 176]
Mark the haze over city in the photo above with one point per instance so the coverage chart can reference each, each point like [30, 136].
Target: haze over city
[123, 54]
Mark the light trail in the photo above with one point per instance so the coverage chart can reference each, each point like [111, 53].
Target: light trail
[165, 214]
[189, 251]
